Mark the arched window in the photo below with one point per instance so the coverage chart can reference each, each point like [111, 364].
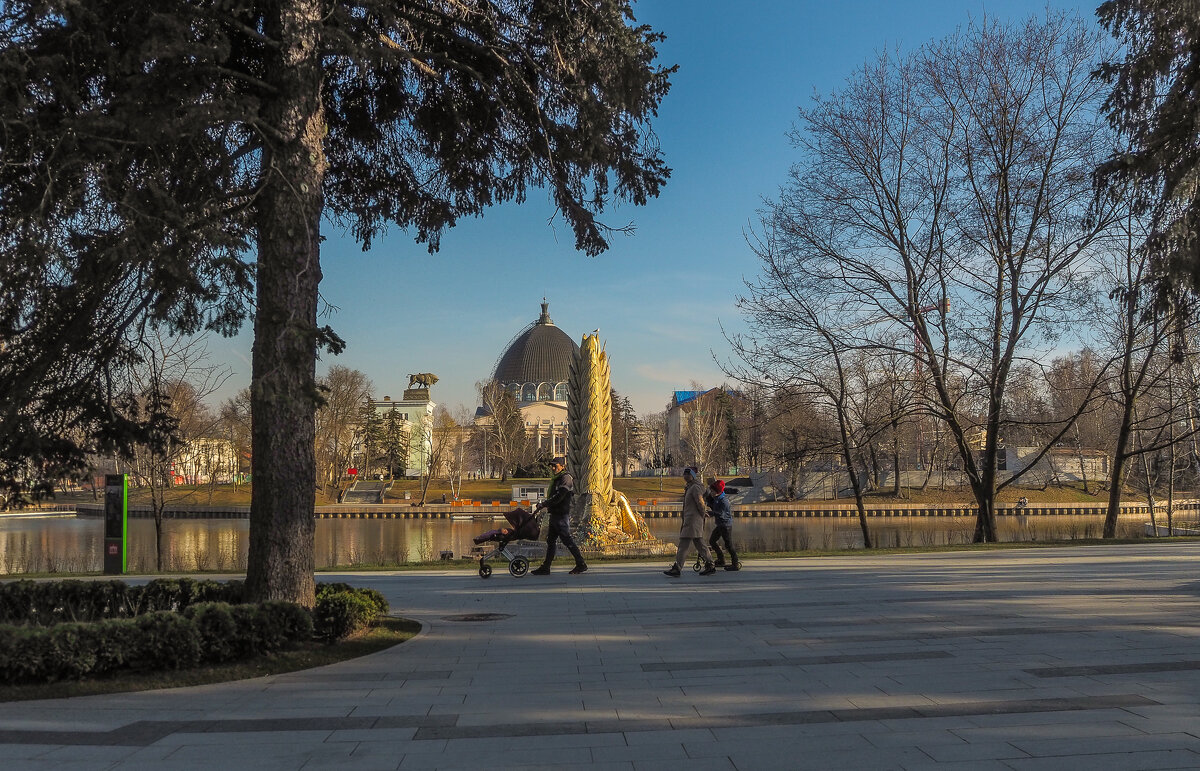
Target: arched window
[560, 392]
[530, 393]
[543, 392]
[514, 389]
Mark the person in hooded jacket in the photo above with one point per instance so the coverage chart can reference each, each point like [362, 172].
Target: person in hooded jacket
[691, 532]
[558, 501]
[722, 514]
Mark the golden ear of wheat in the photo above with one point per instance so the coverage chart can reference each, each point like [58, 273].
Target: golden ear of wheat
[601, 516]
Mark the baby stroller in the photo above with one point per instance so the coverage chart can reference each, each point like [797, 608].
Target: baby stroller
[524, 527]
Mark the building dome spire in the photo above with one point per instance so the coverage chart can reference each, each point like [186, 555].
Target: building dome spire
[545, 317]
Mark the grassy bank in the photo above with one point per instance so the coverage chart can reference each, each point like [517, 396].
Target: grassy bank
[666, 490]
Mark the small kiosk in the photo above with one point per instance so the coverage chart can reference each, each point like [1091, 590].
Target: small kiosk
[116, 524]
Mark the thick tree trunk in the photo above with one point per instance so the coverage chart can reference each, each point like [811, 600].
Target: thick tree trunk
[985, 496]
[283, 389]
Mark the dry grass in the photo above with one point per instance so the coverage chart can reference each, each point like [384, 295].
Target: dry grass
[635, 488]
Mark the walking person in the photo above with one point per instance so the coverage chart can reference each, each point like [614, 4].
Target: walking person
[722, 514]
[558, 502]
[691, 532]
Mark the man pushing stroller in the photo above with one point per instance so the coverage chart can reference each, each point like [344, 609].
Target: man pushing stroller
[558, 502]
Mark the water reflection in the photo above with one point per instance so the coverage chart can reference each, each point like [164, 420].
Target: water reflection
[31, 544]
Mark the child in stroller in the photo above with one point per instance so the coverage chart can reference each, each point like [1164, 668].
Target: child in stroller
[524, 526]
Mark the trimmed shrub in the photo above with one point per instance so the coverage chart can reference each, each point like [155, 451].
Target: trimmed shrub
[217, 629]
[116, 644]
[340, 614]
[22, 650]
[283, 624]
[167, 624]
[166, 641]
[45, 603]
[374, 597]
[16, 601]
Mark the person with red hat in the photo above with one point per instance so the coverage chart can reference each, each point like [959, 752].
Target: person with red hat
[722, 514]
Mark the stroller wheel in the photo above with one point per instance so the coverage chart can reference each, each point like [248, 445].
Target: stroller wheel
[519, 566]
[697, 565]
[485, 571]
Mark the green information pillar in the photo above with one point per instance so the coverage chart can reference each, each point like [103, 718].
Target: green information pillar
[116, 523]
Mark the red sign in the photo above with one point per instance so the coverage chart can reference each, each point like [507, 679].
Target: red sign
[352, 471]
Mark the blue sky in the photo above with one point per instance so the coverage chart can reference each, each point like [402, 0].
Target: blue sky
[660, 296]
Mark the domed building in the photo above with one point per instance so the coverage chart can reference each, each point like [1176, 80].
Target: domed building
[536, 364]
[534, 368]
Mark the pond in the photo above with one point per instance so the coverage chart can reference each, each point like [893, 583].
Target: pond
[69, 544]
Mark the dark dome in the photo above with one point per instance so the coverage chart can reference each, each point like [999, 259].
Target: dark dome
[540, 354]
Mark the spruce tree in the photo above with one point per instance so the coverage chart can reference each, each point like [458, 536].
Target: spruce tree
[1155, 105]
[172, 162]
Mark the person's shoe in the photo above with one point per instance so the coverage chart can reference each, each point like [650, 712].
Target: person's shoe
[709, 569]
[734, 566]
[544, 570]
[577, 570]
[719, 562]
[673, 572]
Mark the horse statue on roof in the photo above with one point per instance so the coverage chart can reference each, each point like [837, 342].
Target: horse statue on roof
[422, 379]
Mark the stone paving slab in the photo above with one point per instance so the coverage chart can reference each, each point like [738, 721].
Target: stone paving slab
[1024, 659]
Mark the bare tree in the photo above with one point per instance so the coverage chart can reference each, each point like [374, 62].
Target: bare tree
[795, 343]
[703, 429]
[173, 377]
[235, 424]
[798, 437]
[343, 391]
[457, 462]
[1070, 379]
[443, 438]
[654, 437]
[943, 199]
[1138, 339]
[503, 427]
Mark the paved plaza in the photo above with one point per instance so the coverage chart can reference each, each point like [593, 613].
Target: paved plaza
[1061, 658]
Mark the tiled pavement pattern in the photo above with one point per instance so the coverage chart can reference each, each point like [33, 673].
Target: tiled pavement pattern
[1022, 659]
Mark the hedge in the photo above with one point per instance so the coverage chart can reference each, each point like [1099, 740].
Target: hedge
[181, 623]
[46, 603]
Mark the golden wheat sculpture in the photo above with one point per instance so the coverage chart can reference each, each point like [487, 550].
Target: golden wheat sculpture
[601, 516]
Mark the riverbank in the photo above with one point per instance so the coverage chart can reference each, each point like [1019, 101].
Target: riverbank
[654, 509]
[666, 490]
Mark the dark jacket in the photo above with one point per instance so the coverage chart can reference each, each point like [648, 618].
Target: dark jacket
[720, 509]
[558, 495]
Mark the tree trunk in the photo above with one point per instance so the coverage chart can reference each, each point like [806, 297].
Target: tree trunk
[1116, 484]
[896, 489]
[283, 388]
[855, 482]
[1150, 491]
[985, 496]
[1082, 465]
[158, 502]
[1117, 478]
